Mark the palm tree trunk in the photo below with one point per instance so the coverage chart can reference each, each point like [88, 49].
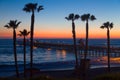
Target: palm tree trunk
[75, 48]
[15, 54]
[86, 41]
[108, 49]
[24, 56]
[31, 43]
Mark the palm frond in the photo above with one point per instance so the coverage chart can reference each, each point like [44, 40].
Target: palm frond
[40, 8]
[28, 33]
[24, 32]
[111, 25]
[19, 34]
[88, 15]
[71, 16]
[30, 7]
[67, 18]
[12, 24]
[102, 27]
[83, 17]
[20, 31]
[93, 17]
[26, 9]
[15, 21]
[7, 26]
[77, 16]
[18, 24]
[34, 6]
[106, 24]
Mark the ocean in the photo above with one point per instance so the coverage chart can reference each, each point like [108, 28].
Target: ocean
[49, 59]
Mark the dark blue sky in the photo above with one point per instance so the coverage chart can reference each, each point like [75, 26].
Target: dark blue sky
[51, 20]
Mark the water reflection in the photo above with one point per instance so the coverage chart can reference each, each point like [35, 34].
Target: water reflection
[48, 55]
[58, 54]
[61, 54]
[104, 60]
[64, 53]
[116, 60]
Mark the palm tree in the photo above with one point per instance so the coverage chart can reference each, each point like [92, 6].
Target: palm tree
[87, 17]
[32, 7]
[14, 24]
[24, 33]
[108, 26]
[74, 17]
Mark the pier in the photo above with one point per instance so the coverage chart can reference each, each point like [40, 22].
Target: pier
[92, 50]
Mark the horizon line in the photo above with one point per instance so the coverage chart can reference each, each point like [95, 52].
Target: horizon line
[57, 38]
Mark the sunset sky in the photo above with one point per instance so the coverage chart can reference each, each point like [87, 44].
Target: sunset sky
[51, 22]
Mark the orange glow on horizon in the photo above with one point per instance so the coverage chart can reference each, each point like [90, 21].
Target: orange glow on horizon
[53, 34]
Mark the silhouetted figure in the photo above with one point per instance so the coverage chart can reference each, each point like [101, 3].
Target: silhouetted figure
[24, 33]
[14, 24]
[108, 26]
[32, 7]
[74, 17]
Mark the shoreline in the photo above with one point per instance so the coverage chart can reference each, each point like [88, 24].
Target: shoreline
[9, 70]
[97, 66]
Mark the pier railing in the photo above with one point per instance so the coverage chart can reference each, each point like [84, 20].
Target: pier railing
[92, 50]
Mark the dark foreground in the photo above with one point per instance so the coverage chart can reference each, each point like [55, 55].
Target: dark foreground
[92, 73]
[68, 74]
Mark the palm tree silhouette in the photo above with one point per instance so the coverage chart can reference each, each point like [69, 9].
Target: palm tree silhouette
[87, 17]
[24, 33]
[14, 24]
[32, 7]
[108, 26]
[74, 17]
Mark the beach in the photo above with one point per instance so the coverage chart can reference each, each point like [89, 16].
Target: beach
[69, 74]
[63, 69]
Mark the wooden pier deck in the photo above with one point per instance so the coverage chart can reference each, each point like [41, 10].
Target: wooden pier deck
[92, 50]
